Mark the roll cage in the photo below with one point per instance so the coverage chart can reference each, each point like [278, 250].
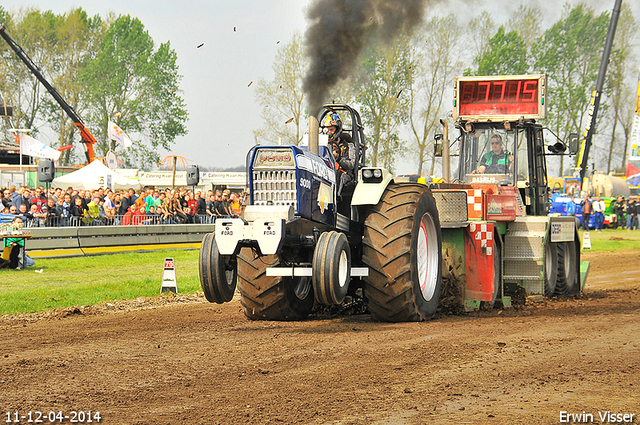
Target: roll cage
[351, 124]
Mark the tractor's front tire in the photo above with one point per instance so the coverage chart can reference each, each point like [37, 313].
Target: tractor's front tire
[331, 268]
[218, 273]
[271, 297]
[402, 246]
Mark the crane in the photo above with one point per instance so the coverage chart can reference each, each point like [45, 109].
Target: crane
[583, 158]
[87, 138]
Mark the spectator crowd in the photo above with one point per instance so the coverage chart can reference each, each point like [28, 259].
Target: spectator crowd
[625, 212]
[51, 207]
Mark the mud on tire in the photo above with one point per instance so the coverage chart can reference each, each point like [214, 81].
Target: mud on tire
[402, 246]
[271, 297]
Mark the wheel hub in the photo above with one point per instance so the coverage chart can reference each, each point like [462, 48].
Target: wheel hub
[343, 266]
[427, 257]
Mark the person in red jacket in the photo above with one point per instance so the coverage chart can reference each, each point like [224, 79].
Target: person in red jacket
[139, 215]
[586, 212]
[127, 218]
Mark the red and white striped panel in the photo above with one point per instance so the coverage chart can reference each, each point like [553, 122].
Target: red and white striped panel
[484, 233]
[474, 203]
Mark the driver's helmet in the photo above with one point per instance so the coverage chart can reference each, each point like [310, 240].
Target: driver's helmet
[333, 119]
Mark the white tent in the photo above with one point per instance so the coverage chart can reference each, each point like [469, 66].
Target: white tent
[94, 176]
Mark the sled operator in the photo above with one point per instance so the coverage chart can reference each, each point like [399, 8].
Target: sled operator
[497, 161]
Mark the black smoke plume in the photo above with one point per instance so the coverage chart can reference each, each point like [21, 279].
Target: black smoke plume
[338, 32]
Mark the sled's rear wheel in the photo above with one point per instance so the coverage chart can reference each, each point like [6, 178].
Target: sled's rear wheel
[402, 246]
[550, 269]
[568, 274]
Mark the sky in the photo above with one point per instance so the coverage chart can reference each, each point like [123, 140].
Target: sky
[240, 43]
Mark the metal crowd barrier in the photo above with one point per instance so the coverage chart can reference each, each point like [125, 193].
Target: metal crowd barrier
[70, 241]
[117, 220]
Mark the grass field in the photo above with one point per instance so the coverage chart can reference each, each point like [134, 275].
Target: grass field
[613, 240]
[66, 282]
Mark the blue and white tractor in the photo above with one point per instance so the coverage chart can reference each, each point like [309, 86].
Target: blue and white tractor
[305, 239]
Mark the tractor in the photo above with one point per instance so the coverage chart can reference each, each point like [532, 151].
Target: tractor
[307, 240]
[504, 242]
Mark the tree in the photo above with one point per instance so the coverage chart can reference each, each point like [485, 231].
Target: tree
[435, 64]
[380, 81]
[506, 55]
[626, 118]
[128, 75]
[96, 76]
[34, 33]
[4, 15]
[526, 21]
[76, 36]
[619, 76]
[479, 32]
[282, 98]
[569, 53]
[8, 95]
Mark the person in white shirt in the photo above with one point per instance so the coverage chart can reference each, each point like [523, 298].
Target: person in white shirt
[598, 212]
[108, 201]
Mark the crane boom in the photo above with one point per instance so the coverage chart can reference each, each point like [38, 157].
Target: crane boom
[583, 158]
[87, 138]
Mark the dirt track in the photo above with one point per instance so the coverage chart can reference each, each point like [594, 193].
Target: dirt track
[196, 362]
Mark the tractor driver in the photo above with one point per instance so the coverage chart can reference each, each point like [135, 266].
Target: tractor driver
[498, 161]
[344, 152]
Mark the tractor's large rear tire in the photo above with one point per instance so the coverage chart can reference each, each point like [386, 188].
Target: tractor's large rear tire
[402, 246]
[218, 273]
[271, 297]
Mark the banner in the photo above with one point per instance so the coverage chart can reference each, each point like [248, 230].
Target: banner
[32, 147]
[638, 100]
[209, 179]
[112, 160]
[634, 143]
[116, 133]
[633, 175]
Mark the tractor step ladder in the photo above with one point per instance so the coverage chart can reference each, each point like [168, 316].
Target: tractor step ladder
[524, 253]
